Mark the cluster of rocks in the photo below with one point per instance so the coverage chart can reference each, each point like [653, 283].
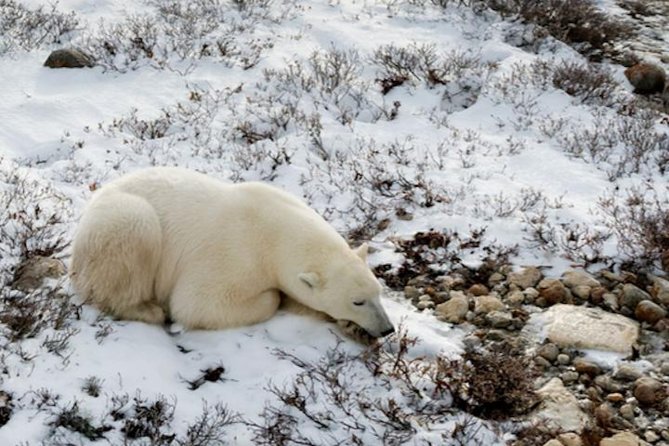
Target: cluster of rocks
[623, 314]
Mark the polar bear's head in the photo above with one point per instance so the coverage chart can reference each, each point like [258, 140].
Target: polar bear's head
[347, 290]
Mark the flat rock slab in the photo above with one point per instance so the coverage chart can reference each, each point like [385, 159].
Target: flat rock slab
[579, 327]
[559, 408]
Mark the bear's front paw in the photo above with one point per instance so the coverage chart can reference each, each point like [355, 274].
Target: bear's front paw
[356, 332]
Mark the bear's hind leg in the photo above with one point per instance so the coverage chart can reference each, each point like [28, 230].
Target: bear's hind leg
[115, 256]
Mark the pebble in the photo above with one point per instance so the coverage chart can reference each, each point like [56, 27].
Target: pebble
[549, 352]
[605, 382]
[581, 291]
[570, 439]
[569, 377]
[542, 362]
[411, 292]
[648, 311]
[661, 290]
[425, 297]
[553, 442]
[651, 436]
[632, 295]
[515, 298]
[604, 414]
[627, 372]
[649, 391]
[597, 295]
[588, 367]
[455, 309]
[615, 397]
[627, 412]
[495, 278]
[610, 301]
[552, 291]
[563, 359]
[425, 304]
[573, 279]
[664, 369]
[478, 290]
[525, 278]
[486, 304]
[499, 319]
[621, 439]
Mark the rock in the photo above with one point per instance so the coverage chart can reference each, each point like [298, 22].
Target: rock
[664, 368]
[627, 412]
[411, 292]
[650, 312]
[563, 359]
[526, 278]
[569, 377]
[582, 292]
[560, 408]
[623, 439]
[608, 384]
[615, 397]
[649, 391]
[572, 326]
[424, 297]
[542, 362]
[499, 319]
[627, 372]
[572, 279]
[30, 274]
[588, 367]
[549, 352]
[440, 297]
[486, 304]
[425, 304]
[604, 414]
[632, 295]
[531, 294]
[455, 309]
[515, 298]
[651, 436]
[553, 442]
[597, 295]
[552, 290]
[646, 78]
[610, 301]
[478, 290]
[68, 58]
[494, 279]
[660, 290]
[570, 439]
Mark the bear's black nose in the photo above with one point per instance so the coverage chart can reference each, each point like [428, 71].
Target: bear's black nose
[391, 330]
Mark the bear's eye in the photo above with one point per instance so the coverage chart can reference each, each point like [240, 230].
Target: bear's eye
[359, 302]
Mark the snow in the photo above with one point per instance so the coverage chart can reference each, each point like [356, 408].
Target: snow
[65, 127]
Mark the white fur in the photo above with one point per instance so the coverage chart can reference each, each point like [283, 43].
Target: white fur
[172, 242]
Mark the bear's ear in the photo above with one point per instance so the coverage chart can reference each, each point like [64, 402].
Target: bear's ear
[361, 251]
[312, 279]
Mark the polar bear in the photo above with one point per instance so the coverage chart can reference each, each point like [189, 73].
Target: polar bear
[172, 243]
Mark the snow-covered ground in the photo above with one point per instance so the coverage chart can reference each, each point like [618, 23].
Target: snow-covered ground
[475, 135]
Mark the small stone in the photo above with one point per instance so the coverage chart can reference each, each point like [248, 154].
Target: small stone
[526, 278]
[494, 279]
[606, 383]
[453, 281]
[515, 298]
[424, 297]
[478, 290]
[615, 397]
[632, 295]
[646, 78]
[563, 359]
[32, 272]
[570, 439]
[621, 439]
[569, 376]
[650, 312]
[572, 279]
[425, 304]
[651, 436]
[582, 292]
[440, 297]
[649, 391]
[553, 291]
[597, 295]
[573, 326]
[553, 442]
[588, 367]
[664, 368]
[499, 319]
[610, 301]
[560, 408]
[612, 277]
[471, 341]
[68, 58]
[660, 290]
[542, 362]
[627, 372]
[627, 412]
[486, 304]
[531, 294]
[604, 414]
[455, 309]
[549, 352]
[496, 335]
[411, 292]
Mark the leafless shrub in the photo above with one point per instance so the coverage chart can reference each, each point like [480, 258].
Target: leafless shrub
[146, 418]
[92, 386]
[209, 428]
[577, 22]
[28, 29]
[380, 396]
[640, 222]
[71, 419]
[590, 83]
